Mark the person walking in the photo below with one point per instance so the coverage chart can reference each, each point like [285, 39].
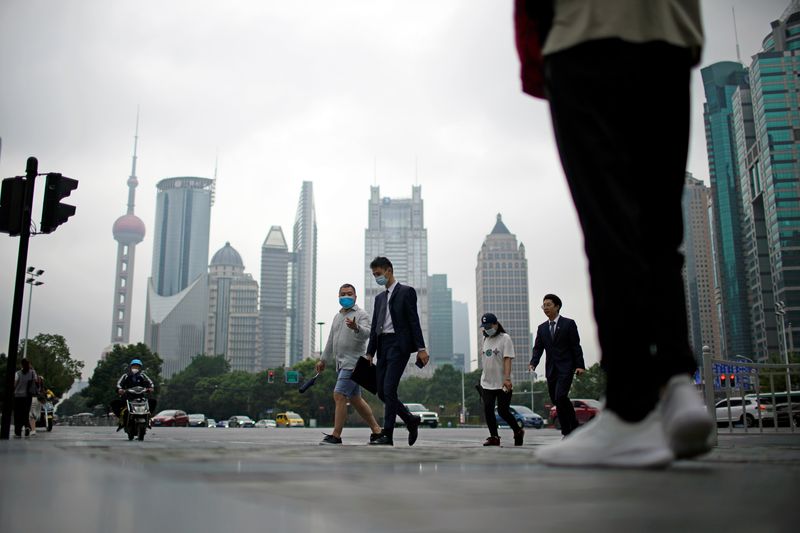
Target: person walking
[395, 334]
[24, 391]
[602, 65]
[497, 355]
[558, 337]
[38, 399]
[347, 341]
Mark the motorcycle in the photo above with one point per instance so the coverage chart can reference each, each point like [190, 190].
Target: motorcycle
[136, 412]
[46, 416]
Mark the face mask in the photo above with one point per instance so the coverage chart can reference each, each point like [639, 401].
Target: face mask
[381, 280]
[491, 331]
[134, 370]
[347, 301]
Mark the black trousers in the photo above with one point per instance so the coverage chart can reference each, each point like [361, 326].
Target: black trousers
[503, 400]
[621, 119]
[558, 386]
[22, 411]
[389, 367]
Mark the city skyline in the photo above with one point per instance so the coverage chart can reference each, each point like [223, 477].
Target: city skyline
[400, 111]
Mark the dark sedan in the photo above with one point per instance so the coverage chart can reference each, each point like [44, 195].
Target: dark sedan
[171, 418]
[524, 416]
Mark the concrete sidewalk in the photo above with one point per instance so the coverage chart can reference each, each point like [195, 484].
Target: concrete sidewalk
[89, 479]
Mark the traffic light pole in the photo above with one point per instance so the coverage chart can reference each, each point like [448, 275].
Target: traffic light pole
[31, 169]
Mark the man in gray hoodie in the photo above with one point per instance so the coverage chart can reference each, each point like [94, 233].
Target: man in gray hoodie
[347, 341]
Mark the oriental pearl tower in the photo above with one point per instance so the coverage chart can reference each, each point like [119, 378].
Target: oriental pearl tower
[128, 232]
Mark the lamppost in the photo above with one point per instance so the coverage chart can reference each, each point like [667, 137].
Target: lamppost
[320, 324]
[463, 418]
[33, 273]
[780, 310]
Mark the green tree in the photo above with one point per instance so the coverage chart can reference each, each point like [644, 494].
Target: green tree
[77, 403]
[180, 391]
[591, 384]
[103, 383]
[49, 355]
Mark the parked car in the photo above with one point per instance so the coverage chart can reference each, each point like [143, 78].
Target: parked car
[745, 411]
[211, 422]
[171, 418]
[266, 423]
[289, 419]
[524, 416]
[198, 421]
[782, 414]
[241, 421]
[585, 410]
[222, 424]
[429, 418]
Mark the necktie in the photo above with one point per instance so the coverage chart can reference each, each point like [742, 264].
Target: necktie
[552, 328]
[382, 314]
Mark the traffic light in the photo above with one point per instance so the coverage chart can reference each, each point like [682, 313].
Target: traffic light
[11, 200]
[54, 213]
[722, 380]
[270, 376]
[732, 380]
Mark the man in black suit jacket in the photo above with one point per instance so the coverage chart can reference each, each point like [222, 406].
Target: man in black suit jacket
[559, 338]
[396, 333]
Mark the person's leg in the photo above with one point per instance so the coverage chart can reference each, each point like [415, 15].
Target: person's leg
[396, 362]
[362, 408]
[340, 414]
[489, 398]
[566, 411]
[380, 382]
[20, 415]
[503, 404]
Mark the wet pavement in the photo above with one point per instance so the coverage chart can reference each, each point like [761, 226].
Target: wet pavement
[90, 479]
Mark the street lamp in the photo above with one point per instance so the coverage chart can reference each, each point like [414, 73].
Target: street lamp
[33, 273]
[320, 324]
[780, 310]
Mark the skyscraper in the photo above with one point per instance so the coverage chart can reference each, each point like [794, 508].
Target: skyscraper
[177, 295]
[698, 270]
[766, 126]
[502, 281]
[396, 230]
[440, 319]
[128, 231]
[232, 328]
[720, 82]
[461, 334]
[275, 300]
[304, 278]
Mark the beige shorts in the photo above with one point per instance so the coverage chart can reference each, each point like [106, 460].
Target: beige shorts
[36, 408]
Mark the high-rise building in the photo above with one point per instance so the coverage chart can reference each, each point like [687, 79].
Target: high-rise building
[275, 300]
[177, 293]
[232, 328]
[461, 334]
[304, 278]
[128, 231]
[766, 132]
[720, 82]
[502, 281]
[440, 320]
[698, 269]
[396, 229]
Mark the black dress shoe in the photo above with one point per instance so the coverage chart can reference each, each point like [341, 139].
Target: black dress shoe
[413, 430]
[374, 436]
[383, 440]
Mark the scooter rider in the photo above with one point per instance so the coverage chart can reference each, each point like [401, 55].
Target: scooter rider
[132, 378]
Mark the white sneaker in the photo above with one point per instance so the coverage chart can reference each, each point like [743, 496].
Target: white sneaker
[33, 433]
[687, 424]
[611, 442]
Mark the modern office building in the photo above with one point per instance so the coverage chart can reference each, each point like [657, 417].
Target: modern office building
[766, 130]
[440, 320]
[275, 308]
[232, 328]
[720, 82]
[461, 335]
[177, 293]
[698, 269]
[128, 231]
[502, 282]
[396, 229]
[304, 278]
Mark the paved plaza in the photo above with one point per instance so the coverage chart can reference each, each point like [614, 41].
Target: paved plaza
[90, 479]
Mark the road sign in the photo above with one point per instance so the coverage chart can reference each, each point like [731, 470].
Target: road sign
[292, 377]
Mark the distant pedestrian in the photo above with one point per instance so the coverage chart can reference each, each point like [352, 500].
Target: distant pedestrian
[347, 342]
[24, 391]
[496, 358]
[396, 333]
[558, 337]
[39, 397]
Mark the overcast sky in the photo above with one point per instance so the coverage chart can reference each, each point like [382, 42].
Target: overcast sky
[346, 94]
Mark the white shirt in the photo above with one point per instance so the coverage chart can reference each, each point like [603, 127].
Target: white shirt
[388, 327]
[555, 326]
[495, 350]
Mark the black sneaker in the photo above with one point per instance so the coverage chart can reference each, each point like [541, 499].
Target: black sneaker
[492, 441]
[374, 436]
[330, 439]
[518, 437]
[27, 431]
[383, 440]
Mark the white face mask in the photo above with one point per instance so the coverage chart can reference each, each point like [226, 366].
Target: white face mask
[491, 331]
[134, 370]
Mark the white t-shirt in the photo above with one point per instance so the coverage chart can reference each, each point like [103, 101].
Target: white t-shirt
[495, 349]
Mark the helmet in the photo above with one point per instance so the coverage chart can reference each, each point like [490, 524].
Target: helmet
[136, 362]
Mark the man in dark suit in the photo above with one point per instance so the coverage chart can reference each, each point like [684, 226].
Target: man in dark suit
[559, 338]
[396, 333]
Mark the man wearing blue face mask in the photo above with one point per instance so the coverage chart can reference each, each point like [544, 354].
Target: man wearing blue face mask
[347, 341]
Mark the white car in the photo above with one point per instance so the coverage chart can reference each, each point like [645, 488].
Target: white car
[749, 413]
[266, 423]
[429, 418]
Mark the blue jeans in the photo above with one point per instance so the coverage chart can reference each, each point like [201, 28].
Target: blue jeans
[389, 367]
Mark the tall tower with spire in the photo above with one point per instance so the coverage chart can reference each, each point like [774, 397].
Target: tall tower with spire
[128, 232]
